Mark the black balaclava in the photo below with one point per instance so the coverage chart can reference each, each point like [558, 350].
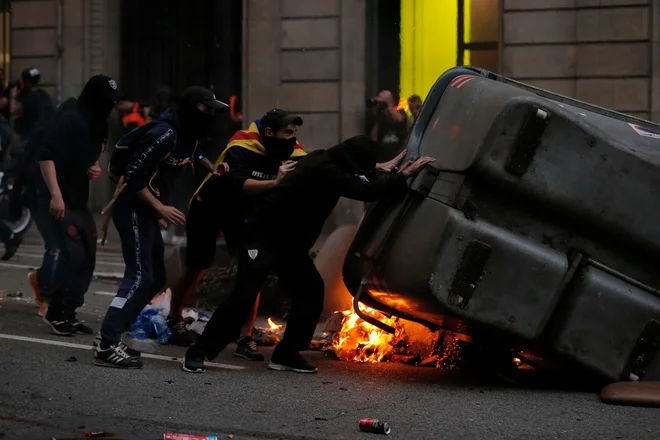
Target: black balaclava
[279, 148]
[195, 124]
[356, 155]
[96, 102]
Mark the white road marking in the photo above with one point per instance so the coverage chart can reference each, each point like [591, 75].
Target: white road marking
[17, 266]
[106, 293]
[88, 347]
[99, 262]
[106, 275]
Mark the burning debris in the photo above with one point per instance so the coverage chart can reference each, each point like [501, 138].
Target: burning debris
[412, 343]
[268, 336]
[352, 339]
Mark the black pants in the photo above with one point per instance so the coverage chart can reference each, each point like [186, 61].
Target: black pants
[300, 279]
[144, 276]
[70, 255]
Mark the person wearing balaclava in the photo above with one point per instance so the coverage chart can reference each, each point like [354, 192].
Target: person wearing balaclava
[65, 153]
[257, 158]
[278, 236]
[158, 151]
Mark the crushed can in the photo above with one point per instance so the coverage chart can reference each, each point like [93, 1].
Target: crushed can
[171, 436]
[375, 426]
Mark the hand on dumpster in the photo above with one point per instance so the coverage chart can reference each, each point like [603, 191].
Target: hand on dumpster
[411, 168]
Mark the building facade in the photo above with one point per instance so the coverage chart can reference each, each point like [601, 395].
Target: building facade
[324, 58]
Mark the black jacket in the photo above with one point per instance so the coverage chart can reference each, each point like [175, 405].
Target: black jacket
[292, 215]
[69, 143]
[36, 108]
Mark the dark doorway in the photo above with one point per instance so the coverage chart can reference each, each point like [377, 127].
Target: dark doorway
[178, 44]
[384, 46]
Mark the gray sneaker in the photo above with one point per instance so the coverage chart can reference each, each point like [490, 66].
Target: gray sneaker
[247, 349]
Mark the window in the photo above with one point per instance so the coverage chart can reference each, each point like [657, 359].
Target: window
[437, 35]
[478, 33]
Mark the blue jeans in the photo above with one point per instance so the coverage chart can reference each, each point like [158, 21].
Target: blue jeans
[69, 259]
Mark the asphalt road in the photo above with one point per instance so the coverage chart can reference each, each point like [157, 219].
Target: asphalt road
[44, 396]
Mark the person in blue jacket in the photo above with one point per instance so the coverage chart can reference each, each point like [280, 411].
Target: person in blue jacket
[147, 161]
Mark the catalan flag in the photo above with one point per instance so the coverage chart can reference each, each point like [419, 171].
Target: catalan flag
[249, 139]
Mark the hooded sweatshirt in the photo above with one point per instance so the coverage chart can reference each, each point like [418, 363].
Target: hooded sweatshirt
[159, 157]
[74, 141]
[292, 215]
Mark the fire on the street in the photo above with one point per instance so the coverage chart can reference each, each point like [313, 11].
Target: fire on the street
[412, 343]
[362, 342]
[274, 327]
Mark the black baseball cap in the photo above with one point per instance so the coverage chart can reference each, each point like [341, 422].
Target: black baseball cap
[31, 74]
[277, 118]
[105, 86]
[204, 96]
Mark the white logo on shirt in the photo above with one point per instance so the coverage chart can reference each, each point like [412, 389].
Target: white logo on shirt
[252, 253]
[264, 176]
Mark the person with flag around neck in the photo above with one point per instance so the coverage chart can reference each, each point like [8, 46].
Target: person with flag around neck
[258, 158]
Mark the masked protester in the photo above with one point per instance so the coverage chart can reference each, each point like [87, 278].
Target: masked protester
[278, 236]
[255, 158]
[67, 154]
[156, 153]
[35, 106]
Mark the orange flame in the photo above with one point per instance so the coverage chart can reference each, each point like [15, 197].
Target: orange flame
[360, 341]
[272, 325]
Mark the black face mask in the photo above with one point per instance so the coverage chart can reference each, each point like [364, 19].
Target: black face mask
[279, 148]
[195, 124]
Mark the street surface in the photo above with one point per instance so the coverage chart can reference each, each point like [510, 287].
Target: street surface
[42, 396]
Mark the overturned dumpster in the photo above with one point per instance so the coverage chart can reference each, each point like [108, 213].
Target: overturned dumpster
[535, 229]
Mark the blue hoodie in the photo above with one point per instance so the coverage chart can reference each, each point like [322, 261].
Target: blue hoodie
[159, 156]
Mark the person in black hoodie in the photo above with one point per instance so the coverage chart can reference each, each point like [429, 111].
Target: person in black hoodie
[67, 155]
[278, 236]
[160, 150]
[34, 105]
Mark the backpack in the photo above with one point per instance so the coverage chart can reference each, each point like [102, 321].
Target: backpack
[125, 149]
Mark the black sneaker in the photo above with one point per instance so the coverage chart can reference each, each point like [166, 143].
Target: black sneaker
[247, 349]
[193, 363]
[115, 357]
[130, 351]
[80, 326]
[59, 326]
[290, 361]
[181, 336]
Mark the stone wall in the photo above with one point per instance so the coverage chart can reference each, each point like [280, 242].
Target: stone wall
[598, 51]
[307, 57]
[89, 43]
